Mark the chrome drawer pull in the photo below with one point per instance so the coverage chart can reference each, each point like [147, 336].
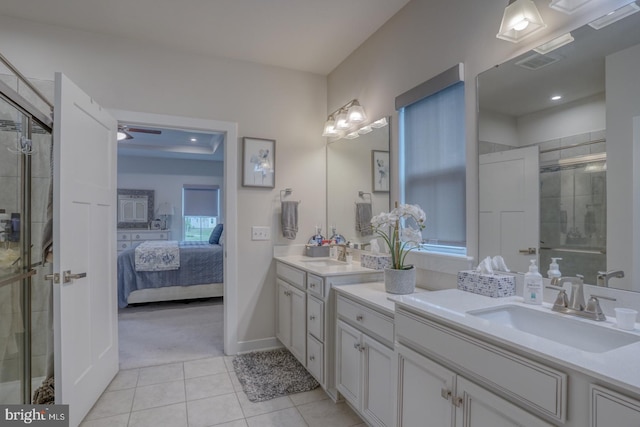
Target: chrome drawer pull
[359, 317]
[312, 317]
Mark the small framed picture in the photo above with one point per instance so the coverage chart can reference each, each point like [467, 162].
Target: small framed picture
[156, 224]
[380, 171]
[258, 162]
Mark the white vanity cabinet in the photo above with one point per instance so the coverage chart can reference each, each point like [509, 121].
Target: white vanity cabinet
[609, 408]
[307, 315]
[364, 360]
[429, 391]
[431, 357]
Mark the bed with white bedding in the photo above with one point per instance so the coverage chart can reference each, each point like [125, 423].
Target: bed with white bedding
[169, 270]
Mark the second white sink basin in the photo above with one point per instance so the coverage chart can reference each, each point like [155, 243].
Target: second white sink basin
[587, 336]
[314, 262]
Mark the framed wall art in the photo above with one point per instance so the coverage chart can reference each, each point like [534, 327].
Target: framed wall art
[380, 171]
[258, 162]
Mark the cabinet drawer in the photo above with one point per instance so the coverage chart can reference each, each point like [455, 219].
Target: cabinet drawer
[609, 408]
[315, 358]
[124, 236]
[533, 384]
[292, 275]
[370, 321]
[315, 317]
[315, 285]
[155, 235]
[122, 245]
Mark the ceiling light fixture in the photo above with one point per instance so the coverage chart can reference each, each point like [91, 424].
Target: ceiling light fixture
[554, 44]
[556, 97]
[521, 19]
[344, 118]
[615, 16]
[567, 6]
[193, 139]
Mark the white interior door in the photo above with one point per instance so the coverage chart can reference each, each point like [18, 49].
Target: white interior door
[509, 206]
[85, 312]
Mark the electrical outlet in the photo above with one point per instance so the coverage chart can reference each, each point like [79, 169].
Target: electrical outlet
[260, 233]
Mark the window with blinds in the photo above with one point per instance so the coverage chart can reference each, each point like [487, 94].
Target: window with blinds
[200, 204]
[433, 158]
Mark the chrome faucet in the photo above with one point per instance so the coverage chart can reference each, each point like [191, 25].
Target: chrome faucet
[364, 245]
[602, 279]
[576, 305]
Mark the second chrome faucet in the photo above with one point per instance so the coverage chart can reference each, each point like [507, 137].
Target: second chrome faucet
[575, 305]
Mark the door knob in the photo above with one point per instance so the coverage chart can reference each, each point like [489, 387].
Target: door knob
[67, 276]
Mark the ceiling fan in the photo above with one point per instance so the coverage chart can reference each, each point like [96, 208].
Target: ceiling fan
[124, 132]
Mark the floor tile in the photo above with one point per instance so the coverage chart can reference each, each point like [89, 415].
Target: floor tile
[284, 418]
[214, 410]
[112, 403]
[124, 379]
[209, 386]
[228, 362]
[154, 396]
[326, 413]
[236, 423]
[121, 420]
[202, 367]
[308, 396]
[169, 416]
[251, 409]
[160, 374]
[237, 386]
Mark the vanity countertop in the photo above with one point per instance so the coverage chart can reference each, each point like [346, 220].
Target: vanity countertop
[618, 366]
[372, 294]
[315, 265]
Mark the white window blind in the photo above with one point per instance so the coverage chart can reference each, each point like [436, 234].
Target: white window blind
[200, 200]
[433, 160]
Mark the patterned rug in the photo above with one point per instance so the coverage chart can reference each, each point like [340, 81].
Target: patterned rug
[269, 374]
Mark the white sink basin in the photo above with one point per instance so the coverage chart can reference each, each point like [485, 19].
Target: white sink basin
[322, 262]
[587, 336]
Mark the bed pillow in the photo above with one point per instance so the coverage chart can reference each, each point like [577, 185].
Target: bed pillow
[214, 238]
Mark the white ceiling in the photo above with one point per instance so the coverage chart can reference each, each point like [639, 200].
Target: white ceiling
[305, 35]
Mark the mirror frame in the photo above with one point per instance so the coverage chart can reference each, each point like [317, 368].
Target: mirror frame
[149, 194]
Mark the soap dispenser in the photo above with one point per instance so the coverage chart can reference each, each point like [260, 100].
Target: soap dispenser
[554, 272]
[532, 285]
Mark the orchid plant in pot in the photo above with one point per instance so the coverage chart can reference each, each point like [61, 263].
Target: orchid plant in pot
[401, 230]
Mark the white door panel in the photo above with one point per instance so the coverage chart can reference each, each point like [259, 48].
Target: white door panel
[85, 312]
[509, 206]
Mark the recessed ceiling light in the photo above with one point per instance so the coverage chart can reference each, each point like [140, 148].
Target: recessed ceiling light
[556, 97]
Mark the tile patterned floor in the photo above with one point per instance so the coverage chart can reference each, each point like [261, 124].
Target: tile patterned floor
[205, 393]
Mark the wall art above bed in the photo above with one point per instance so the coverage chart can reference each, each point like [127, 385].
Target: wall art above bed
[135, 208]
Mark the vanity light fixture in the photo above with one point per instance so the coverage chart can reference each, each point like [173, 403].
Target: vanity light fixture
[380, 123]
[614, 16]
[344, 118]
[554, 44]
[365, 129]
[352, 135]
[567, 6]
[521, 19]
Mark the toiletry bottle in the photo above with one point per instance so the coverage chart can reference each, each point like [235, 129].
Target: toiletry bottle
[533, 285]
[554, 271]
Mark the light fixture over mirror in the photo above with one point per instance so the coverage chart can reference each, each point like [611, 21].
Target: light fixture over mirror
[345, 120]
[521, 19]
[567, 6]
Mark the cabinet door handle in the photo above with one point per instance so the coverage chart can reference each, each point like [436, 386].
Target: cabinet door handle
[313, 285]
[312, 317]
[359, 317]
[287, 293]
[457, 402]
[356, 346]
[446, 394]
[312, 358]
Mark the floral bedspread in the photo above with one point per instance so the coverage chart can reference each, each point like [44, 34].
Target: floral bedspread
[157, 256]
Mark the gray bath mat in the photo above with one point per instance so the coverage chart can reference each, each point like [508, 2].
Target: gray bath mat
[265, 375]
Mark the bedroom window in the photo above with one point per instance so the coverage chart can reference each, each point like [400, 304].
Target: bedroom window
[199, 211]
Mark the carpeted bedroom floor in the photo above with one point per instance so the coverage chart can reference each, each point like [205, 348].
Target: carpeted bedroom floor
[167, 332]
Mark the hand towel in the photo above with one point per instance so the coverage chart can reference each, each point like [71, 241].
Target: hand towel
[363, 218]
[289, 219]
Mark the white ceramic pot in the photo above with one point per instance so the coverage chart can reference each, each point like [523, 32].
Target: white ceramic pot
[400, 282]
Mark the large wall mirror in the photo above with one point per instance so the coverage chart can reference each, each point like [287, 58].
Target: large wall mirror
[135, 208]
[556, 142]
[357, 174]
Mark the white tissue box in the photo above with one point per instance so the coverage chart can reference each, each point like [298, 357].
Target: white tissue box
[375, 261]
[490, 285]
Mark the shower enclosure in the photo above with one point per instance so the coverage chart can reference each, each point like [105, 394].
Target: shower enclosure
[573, 215]
[26, 356]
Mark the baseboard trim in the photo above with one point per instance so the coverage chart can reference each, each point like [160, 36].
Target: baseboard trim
[258, 345]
